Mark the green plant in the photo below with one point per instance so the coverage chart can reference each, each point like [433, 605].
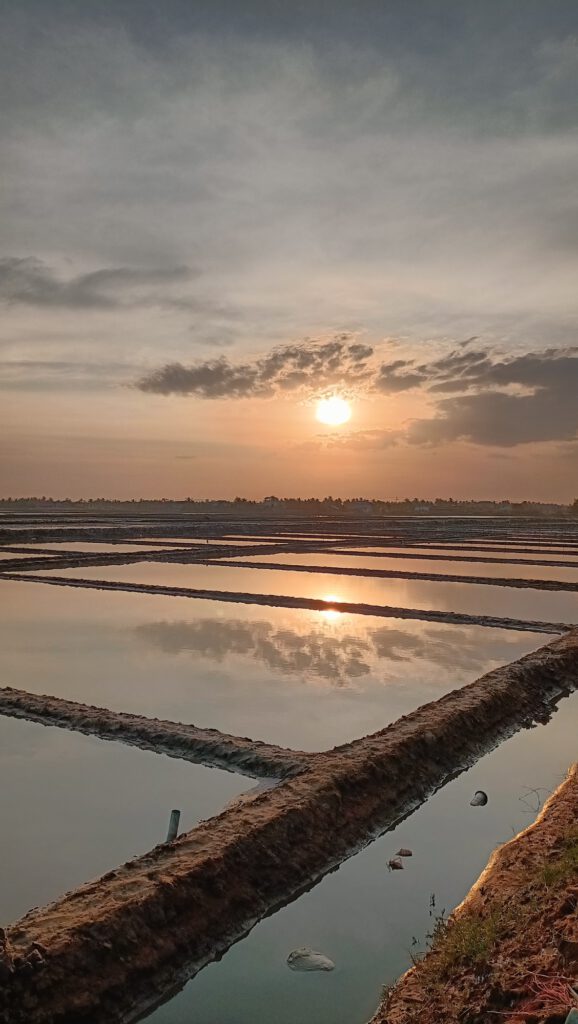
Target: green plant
[465, 939]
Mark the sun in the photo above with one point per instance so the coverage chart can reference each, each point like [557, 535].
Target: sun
[333, 411]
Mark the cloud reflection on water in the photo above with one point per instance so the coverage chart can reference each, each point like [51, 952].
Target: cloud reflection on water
[332, 652]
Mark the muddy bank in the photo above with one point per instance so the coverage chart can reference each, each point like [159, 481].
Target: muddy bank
[394, 574]
[314, 604]
[137, 932]
[510, 949]
[46, 527]
[201, 746]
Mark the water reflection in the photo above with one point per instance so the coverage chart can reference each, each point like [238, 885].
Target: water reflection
[398, 593]
[363, 916]
[287, 676]
[333, 654]
[74, 806]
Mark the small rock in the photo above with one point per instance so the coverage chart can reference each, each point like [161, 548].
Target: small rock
[480, 799]
[395, 864]
[572, 1017]
[305, 959]
[404, 853]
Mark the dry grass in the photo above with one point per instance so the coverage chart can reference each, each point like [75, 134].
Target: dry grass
[558, 870]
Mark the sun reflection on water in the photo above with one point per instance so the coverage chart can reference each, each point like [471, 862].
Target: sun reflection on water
[331, 614]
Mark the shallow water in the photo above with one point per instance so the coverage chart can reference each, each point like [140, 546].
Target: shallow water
[73, 807]
[509, 553]
[87, 546]
[290, 676]
[176, 541]
[4, 555]
[457, 597]
[365, 917]
[529, 572]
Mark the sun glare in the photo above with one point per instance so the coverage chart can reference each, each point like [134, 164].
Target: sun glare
[333, 411]
[331, 614]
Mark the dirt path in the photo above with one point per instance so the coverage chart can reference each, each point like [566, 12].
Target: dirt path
[510, 949]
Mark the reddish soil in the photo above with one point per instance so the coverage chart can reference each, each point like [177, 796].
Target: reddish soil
[525, 908]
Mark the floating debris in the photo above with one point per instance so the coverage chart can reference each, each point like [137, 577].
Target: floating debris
[395, 864]
[305, 959]
[480, 799]
[404, 853]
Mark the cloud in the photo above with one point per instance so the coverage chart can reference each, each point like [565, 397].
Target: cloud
[397, 376]
[341, 362]
[499, 401]
[495, 400]
[30, 282]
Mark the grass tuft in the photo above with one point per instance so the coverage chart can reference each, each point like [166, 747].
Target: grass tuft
[466, 939]
[566, 864]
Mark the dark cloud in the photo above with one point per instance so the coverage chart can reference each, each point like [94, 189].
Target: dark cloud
[340, 362]
[504, 402]
[397, 376]
[494, 400]
[29, 281]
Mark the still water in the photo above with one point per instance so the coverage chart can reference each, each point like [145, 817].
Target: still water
[510, 554]
[73, 807]
[457, 597]
[342, 561]
[300, 678]
[365, 917]
[87, 547]
[289, 676]
[14, 554]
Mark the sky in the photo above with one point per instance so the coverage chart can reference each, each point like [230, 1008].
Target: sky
[214, 213]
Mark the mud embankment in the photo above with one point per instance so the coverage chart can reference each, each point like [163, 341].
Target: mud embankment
[311, 603]
[510, 949]
[394, 574]
[112, 948]
[201, 746]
